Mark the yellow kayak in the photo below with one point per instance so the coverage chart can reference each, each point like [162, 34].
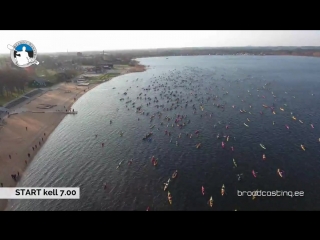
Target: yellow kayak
[294, 118]
[169, 198]
[302, 147]
[211, 202]
[254, 195]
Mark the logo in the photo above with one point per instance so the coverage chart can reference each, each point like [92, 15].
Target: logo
[23, 54]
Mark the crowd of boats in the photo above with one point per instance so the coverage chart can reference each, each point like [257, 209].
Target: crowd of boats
[169, 90]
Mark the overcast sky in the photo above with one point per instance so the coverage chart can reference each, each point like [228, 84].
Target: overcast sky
[73, 41]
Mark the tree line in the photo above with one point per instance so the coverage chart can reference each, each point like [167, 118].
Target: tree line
[12, 81]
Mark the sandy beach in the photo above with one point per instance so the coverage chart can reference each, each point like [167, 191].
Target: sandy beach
[29, 126]
[25, 131]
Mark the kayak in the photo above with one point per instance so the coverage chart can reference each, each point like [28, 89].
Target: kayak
[281, 109]
[198, 145]
[246, 125]
[166, 185]
[119, 164]
[222, 190]
[254, 173]
[174, 175]
[273, 112]
[300, 121]
[222, 144]
[294, 118]
[279, 172]
[211, 202]
[234, 163]
[265, 106]
[312, 125]
[227, 138]
[261, 145]
[169, 198]
[202, 190]
[254, 194]
[248, 120]
[146, 136]
[287, 126]
[263, 156]
[302, 147]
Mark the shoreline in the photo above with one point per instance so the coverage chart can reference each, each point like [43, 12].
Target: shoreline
[28, 129]
[18, 142]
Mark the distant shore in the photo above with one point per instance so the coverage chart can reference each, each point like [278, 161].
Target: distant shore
[28, 127]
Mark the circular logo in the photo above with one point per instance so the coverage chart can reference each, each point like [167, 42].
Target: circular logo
[23, 54]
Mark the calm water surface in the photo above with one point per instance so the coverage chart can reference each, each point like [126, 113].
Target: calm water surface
[73, 157]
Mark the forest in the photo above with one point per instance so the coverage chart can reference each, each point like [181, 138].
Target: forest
[12, 81]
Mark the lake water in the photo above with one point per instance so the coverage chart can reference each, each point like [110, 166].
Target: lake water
[74, 157]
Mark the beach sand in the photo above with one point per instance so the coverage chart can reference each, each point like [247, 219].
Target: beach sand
[16, 141]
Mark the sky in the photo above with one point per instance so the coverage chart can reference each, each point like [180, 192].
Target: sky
[78, 41]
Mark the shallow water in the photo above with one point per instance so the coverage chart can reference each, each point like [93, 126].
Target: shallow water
[73, 157]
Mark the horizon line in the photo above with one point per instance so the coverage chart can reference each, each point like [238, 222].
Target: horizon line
[163, 48]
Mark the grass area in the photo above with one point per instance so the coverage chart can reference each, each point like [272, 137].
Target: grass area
[46, 73]
[103, 77]
[121, 66]
[6, 99]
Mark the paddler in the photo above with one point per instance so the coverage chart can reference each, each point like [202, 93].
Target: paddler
[222, 190]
